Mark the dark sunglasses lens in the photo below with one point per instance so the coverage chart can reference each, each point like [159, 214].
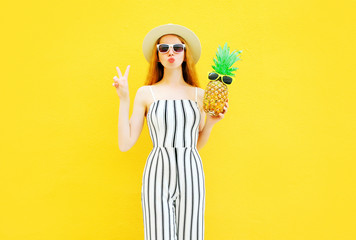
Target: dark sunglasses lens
[227, 79]
[178, 47]
[163, 48]
[213, 76]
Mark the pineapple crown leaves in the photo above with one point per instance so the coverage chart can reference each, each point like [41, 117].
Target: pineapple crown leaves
[224, 60]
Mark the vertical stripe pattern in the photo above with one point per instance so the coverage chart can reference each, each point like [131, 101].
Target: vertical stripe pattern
[173, 182]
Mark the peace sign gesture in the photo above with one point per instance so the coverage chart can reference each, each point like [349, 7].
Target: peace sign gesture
[121, 83]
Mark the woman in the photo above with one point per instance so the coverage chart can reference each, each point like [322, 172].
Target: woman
[173, 183]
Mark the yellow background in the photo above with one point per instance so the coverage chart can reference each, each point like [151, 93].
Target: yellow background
[279, 166]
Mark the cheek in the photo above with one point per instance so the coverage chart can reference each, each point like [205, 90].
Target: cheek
[181, 57]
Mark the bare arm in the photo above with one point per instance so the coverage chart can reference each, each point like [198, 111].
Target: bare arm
[129, 130]
[204, 132]
[206, 127]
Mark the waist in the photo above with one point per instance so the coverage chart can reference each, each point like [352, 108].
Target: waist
[167, 146]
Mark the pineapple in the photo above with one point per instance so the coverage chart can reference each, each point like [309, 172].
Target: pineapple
[216, 93]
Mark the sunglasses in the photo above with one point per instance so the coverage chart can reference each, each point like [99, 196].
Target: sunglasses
[216, 76]
[177, 48]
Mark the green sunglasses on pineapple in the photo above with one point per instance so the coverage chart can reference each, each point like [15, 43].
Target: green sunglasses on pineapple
[224, 78]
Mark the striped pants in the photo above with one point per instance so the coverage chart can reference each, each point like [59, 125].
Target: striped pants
[173, 194]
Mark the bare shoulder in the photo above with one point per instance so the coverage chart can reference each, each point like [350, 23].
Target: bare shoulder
[201, 93]
[144, 96]
[142, 90]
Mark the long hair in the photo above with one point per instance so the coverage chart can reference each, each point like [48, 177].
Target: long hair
[156, 69]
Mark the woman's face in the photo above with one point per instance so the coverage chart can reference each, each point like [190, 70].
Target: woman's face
[164, 57]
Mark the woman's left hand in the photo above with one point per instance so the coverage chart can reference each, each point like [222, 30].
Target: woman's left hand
[214, 119]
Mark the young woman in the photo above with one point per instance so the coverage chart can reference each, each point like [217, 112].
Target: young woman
[173, 183]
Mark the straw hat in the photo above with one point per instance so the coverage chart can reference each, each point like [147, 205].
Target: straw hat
[170, 28]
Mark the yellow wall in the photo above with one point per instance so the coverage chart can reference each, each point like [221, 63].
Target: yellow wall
[279, 166]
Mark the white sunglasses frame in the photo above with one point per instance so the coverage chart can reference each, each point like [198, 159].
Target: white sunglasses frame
[169, 46]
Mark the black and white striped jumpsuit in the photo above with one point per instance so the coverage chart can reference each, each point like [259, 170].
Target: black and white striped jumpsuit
[173, 183]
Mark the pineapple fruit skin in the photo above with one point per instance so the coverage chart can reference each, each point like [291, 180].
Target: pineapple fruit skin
[215, 97]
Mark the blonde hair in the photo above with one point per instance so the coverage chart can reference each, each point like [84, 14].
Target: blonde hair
[156, 69]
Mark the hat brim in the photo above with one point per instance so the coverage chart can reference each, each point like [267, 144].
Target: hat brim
[188, 35]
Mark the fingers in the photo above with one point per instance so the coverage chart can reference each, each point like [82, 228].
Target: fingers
[116, 79]
[116, 82]
[225, 107]
[119, 72]
[127, 71]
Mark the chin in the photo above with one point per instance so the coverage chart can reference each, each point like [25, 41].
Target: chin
[174, 65]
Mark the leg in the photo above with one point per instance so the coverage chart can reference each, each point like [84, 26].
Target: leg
[191, 199]
[158, 186]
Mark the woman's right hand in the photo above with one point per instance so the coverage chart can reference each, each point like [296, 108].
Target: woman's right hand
[121, 84]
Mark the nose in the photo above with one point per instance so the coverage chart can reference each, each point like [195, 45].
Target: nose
[170, 50]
